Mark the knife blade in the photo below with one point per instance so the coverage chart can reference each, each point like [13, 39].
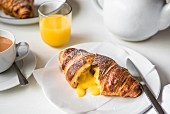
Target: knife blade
[148, 90]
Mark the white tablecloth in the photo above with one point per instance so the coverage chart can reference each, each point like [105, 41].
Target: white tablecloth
[87, 27]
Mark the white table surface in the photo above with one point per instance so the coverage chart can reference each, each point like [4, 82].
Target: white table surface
[87, 27]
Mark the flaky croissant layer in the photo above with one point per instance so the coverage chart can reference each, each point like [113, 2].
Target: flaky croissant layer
[112, 79]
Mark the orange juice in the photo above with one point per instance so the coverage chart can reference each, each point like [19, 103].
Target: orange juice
[55, 30]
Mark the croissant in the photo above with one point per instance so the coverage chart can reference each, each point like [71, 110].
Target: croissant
[97, 73]
[74, 62]
[18, 8]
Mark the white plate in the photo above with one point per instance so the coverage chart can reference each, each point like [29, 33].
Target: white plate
[9, 78]
[58, 91]
[11, 20]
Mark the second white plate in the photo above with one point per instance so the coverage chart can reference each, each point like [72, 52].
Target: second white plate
[12, 20]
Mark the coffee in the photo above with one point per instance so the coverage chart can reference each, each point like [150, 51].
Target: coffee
[5, 43]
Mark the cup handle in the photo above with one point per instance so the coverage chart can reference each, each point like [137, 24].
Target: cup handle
[98, 6]
[25, 54]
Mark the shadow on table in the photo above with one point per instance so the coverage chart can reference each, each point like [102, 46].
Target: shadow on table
[17, 89]
[162, 39]
[77, 39]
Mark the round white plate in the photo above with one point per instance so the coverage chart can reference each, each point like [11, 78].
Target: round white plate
[58, 91]
[11, 20]
[9, 78]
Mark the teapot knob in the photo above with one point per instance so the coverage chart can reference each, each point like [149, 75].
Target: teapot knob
[165, 17]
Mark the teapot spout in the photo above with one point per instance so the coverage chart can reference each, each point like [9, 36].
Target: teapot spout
[165, 17]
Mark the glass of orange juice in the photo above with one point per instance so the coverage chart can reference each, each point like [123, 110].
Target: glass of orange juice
[55, 22]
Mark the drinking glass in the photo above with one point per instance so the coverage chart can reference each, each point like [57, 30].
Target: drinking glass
[55, 19]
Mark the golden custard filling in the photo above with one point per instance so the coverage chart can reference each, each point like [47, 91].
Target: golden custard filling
[88, 81]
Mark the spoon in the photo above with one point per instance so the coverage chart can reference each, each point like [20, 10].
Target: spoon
[21, 77]
[57, 9]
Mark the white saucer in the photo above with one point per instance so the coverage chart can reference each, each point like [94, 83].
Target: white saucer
[9, 78]
[60, 94]
[98, 5]
[11, 20]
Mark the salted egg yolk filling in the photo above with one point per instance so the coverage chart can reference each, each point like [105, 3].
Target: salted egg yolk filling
[88, 81]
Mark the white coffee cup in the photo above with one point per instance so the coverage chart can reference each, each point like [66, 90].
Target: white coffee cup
[134, 20]
[9, 56]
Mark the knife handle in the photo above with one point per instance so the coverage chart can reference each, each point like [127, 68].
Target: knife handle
[153, 100]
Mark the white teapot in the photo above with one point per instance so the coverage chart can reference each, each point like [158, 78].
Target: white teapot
[135, 20]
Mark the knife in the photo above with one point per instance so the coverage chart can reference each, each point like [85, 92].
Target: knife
[147, 90]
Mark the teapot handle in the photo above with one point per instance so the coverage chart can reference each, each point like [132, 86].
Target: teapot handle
[165, 17]
[98, 4]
